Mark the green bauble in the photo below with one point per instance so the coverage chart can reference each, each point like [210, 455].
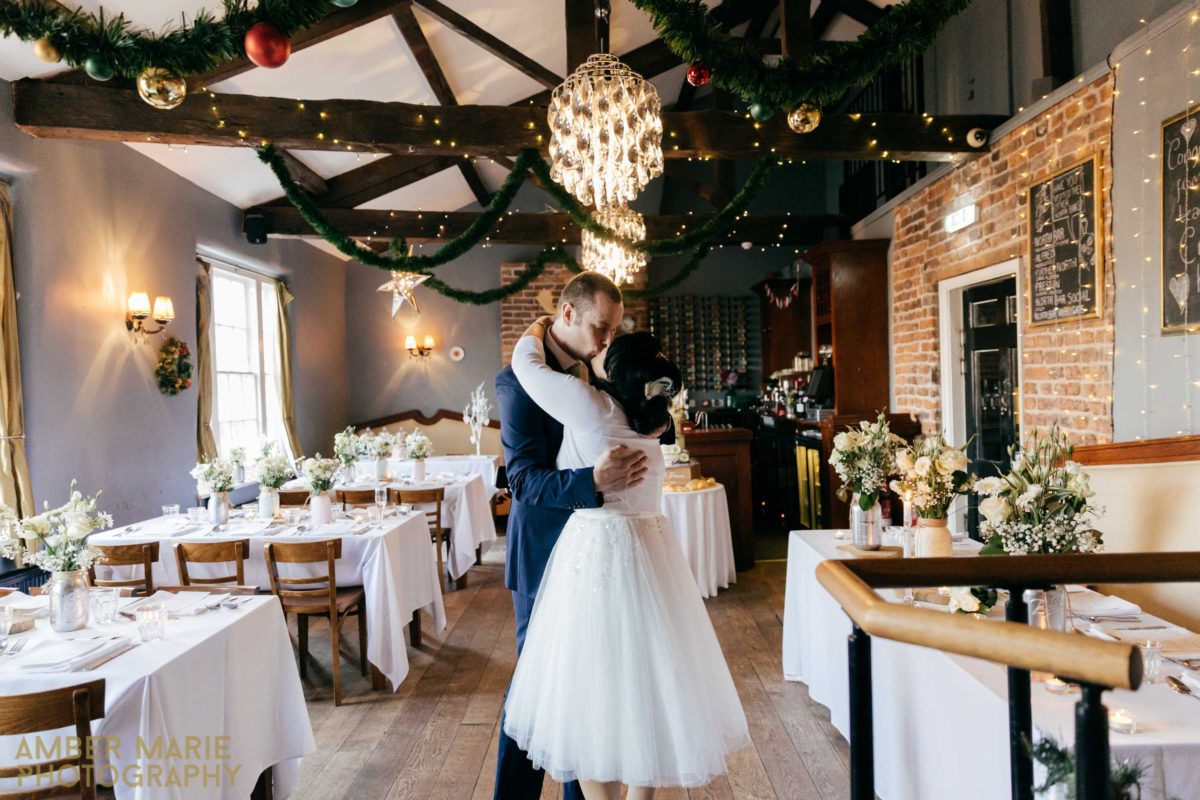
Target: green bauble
[97, 68]
[762, 111]
[343, 3]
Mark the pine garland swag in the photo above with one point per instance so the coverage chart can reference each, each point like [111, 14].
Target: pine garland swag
[174, 368]
[823, 77]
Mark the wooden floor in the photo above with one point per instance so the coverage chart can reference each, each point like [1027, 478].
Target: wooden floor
[436, 739]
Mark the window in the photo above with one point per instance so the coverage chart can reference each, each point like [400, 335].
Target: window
[246, 407]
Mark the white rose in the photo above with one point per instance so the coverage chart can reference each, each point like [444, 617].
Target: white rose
[923, 465]
[309, 464]
[994, 509]
[54, 541]
[841, 440]
[961, 599]
[904, 460]
[78, 525]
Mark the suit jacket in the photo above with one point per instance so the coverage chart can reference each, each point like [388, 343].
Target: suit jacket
[543, 496]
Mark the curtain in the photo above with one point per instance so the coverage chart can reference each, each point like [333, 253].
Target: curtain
[287, 400]
[16, 492]
[206, 443]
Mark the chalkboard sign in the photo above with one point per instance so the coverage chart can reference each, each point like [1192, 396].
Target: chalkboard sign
[1066, 262]
[1181, 222]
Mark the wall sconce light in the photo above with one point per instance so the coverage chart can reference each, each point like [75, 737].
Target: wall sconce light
[138, 311]
[424, 351]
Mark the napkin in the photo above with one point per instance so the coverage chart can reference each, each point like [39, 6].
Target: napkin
[1192, 679]
[1092, 604]
[23, 602]
[178, 605]
[69, 655]
[1176, 642]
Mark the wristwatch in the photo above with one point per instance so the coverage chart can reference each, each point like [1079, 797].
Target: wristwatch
[599, 499]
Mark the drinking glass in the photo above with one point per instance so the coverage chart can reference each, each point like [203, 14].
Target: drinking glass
[171, 511]
[6, 619]
[197, 514]
[104, 605]
[381, 498]
[151, 621]
[375, 514]
[295, 515]
[250, 513]
[1151, 660]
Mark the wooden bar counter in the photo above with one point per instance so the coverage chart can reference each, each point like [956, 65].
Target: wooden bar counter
[724, 454]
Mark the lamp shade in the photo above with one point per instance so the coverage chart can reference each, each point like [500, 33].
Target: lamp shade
[428, 342]
[410, 343]
[139, 305]
[164, 309]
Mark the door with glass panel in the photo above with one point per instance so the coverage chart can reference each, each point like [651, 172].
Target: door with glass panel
[991, 374]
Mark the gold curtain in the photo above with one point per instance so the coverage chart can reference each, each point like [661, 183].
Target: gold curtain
[206, 443]
[286, 398]
[16, 492]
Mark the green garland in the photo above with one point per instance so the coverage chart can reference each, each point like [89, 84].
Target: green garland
[190, 49]
[823, 76]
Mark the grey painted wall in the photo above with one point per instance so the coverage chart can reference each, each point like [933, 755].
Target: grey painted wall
[95, 222]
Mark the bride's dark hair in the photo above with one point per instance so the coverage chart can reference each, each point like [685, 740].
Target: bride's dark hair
[633, 363]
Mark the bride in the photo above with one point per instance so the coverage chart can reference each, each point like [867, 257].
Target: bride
[622, 680]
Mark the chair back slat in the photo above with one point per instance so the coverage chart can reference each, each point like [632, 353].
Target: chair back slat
[293, 497]
[418, 497]
[234, 551]
[127, 555]
[71, 706]
[236, 590]
[326, 550]
[355, 497]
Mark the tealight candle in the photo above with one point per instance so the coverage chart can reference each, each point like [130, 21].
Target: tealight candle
[1055, 685]
[1121, 721]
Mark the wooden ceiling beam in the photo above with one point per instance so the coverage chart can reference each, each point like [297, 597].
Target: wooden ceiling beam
[304, 175]
[795, 28]
[379, 177]
[863, 12]
[822, 18]
[99, 113]
[505, 52]
[583, 31]
[550, 228]
[714, 196]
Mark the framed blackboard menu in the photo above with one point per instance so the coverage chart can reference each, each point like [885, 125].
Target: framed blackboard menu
[1181, 223]
[1066, 246]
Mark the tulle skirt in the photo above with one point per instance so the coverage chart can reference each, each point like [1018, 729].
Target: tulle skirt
[622, 677]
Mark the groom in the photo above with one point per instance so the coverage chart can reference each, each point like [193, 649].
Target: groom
[589, 311]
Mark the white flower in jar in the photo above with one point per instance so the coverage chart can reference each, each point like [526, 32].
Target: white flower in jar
[923, 465]
[994, 509]
[904, 460]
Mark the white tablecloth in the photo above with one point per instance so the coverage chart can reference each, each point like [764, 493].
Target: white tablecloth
[941, 721]
[465, 511]
[701, 523]
[393, 562]
[221, 676]
[482, 465]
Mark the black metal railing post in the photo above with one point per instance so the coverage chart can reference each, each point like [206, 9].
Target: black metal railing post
[1092, 758]
[862, 724]
[1020, 710]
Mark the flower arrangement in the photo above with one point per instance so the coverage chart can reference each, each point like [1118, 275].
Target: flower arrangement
[346, 448]
[62, 531]
[864, 458]
[476, 415]
[932, 474]
[417, 446]
[1043, 505]
[214, 477]
[376, 446]
[174, 367]
[972, 600]
[273, 470]
[238, 456]
[320, 473]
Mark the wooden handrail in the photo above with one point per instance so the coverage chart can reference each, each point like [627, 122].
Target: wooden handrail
[1077, 658]
[1028, 571]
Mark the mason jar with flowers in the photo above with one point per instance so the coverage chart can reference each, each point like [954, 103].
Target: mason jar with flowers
[238, 456]
[418, 447]
[932, 474]
[321, 474]
[273, 472]
[215, 478]
[1043, 505]
[864, 458]
[57, 541]
[347, 449]
[378, 447]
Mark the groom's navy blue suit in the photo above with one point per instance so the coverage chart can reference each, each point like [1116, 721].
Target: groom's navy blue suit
[543, 499]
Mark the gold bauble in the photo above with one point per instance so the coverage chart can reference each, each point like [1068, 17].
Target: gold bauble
[46, 51]
[160, 88]
[804, 118]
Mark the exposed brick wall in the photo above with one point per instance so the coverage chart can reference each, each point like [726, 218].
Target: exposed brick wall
[522, 308]
[1066, 370]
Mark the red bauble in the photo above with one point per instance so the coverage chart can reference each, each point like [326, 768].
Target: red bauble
[267, 46]
[698, 74]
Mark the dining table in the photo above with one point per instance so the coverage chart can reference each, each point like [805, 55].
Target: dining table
[700, 519]
[392, 560]
[465, 464]
[199, 714]
[941, 720]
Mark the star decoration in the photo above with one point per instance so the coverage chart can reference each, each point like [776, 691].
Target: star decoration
[401, 286]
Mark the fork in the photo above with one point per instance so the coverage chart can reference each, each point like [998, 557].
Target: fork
[16, 647]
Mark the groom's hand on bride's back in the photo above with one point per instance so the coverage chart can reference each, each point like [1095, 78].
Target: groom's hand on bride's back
[621, 467]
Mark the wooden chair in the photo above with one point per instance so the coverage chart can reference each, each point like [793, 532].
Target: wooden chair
[127, 555]
[293, 497]
[357, 498]
[321, 598]
[235, 552]
[39, 712]
[434, 497]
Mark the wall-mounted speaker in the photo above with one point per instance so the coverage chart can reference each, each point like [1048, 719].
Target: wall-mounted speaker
[255, 228]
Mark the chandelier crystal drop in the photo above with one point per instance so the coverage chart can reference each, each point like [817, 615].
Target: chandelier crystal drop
[605, 132]
[610, 258]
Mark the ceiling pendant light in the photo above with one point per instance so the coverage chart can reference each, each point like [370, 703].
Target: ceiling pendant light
[618, 262]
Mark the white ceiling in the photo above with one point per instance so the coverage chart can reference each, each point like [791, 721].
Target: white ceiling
[374, 63]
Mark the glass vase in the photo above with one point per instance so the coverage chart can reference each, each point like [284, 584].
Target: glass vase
[866, 525]
[69, 598]
[268, 503]
[1048, 608]
[218, 508]
[381, 469]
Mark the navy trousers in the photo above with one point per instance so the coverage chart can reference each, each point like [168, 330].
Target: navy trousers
[516, 779]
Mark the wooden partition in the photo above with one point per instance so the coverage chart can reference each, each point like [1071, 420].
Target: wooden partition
[445, 429]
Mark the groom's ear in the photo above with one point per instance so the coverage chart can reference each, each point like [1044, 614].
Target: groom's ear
[566, 312]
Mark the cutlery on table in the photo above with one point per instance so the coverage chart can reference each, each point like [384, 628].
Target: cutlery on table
[16, 647]
[110, 656]
[236, 602]
[1180, 687]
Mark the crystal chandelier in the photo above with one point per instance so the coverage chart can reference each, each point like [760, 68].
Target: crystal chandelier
[605, 132]
[614, 259]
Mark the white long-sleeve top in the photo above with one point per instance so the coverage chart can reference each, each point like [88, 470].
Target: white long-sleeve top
[592, 423]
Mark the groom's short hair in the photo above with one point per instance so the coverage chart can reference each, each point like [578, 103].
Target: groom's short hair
[581, 290]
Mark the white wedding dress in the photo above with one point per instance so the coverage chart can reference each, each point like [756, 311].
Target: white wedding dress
[621, 677]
